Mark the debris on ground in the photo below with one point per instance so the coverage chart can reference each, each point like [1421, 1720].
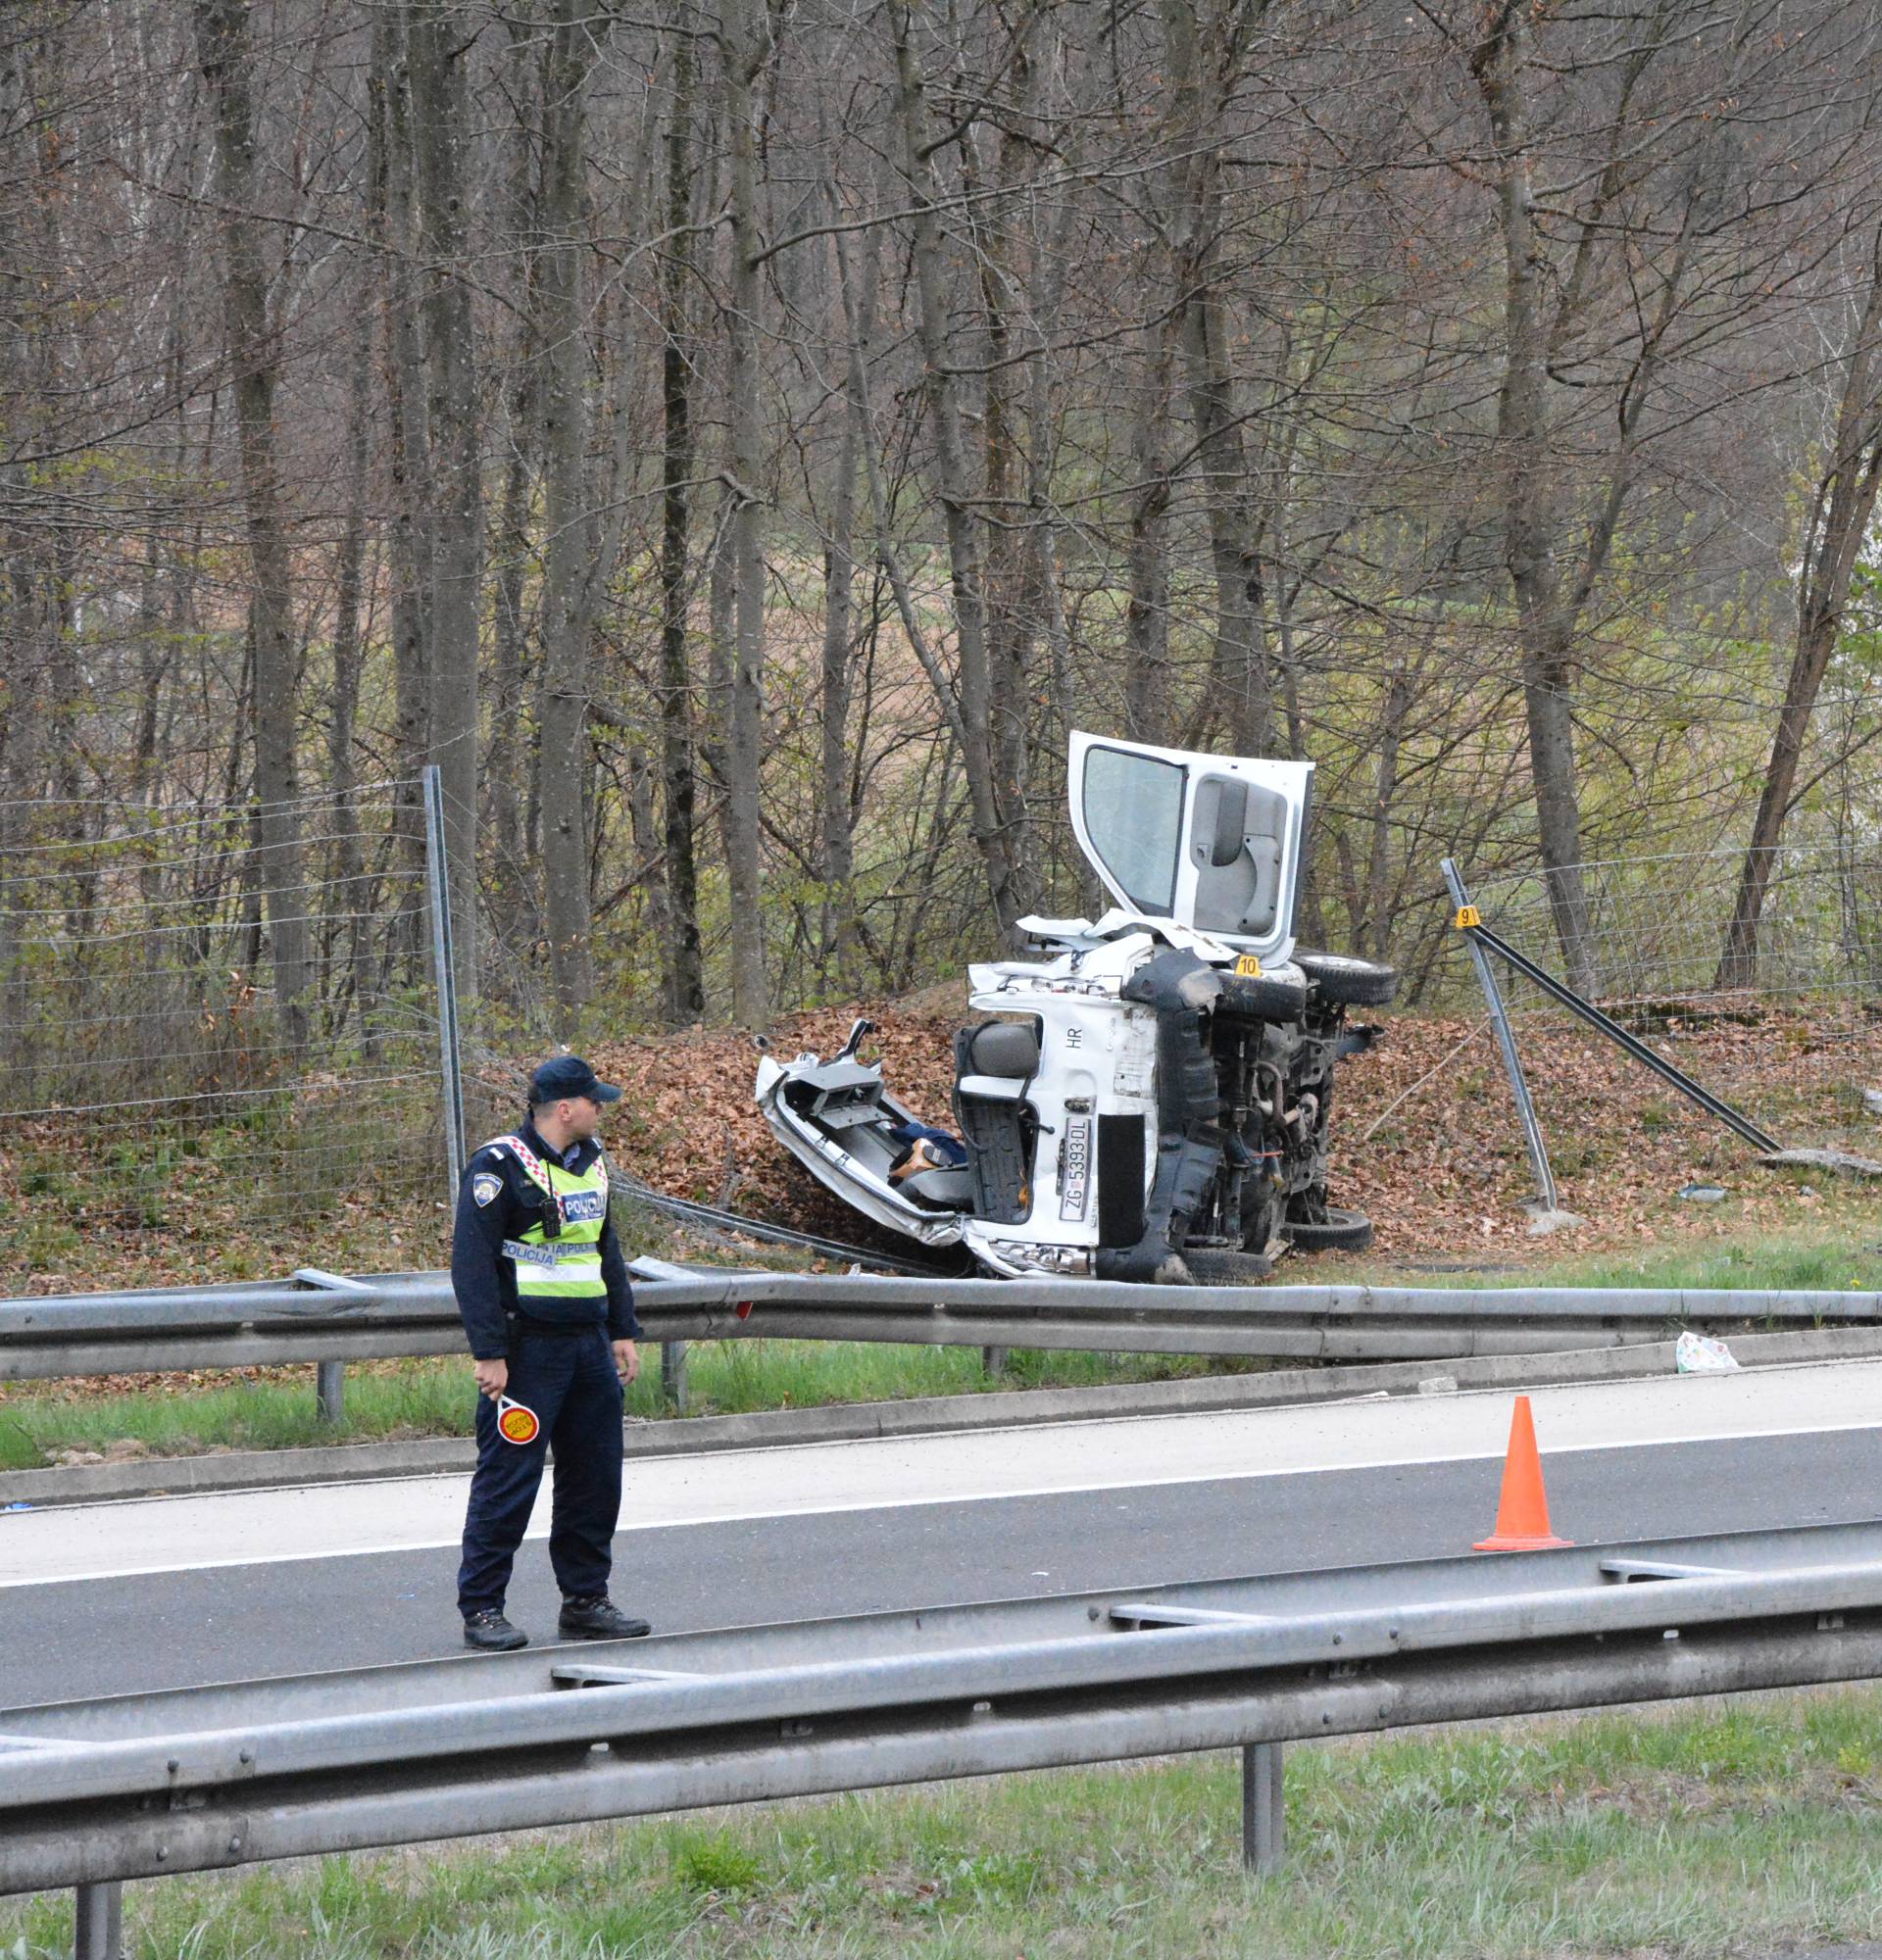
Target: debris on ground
[1845, 1163]
[1436, 1169]
[1700, 1354]
[1546, 1220]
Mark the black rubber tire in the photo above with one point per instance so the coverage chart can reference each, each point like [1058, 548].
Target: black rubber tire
[1340, 1232]
[1263, 997]
[1219, 1266]
[1341, 981]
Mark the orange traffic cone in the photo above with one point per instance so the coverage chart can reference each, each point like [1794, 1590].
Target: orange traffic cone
[1522, 1511]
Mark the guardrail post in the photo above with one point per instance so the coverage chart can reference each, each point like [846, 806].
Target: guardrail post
[672, 1374]
[1263, 1808]
[98, 1932]
[994, 1360]
[330, 1391]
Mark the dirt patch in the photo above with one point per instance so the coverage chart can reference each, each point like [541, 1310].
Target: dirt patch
[1424, 1132]
[1424, 1140]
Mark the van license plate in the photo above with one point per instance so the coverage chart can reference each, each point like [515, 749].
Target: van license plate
[1074, 1169]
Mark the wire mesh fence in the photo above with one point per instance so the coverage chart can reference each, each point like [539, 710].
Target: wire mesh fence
[1792, 1035]
[155, 1080]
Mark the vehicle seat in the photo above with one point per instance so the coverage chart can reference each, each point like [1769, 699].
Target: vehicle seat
[841, 1093]
[1007, 1048]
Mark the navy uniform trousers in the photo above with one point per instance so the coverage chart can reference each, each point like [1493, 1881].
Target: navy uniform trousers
[569, 1380]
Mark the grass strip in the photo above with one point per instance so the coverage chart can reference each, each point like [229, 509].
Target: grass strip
[1713, 1830]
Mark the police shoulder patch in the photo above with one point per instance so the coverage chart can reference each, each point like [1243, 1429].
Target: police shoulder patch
[485, 1185]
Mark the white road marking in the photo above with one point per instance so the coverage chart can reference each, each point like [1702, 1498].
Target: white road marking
[421, 1513]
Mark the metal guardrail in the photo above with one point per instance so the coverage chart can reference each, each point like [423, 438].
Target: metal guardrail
[96, 1792]
[325, 1318]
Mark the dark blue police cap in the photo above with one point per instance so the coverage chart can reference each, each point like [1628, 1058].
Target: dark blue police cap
[569, 1076]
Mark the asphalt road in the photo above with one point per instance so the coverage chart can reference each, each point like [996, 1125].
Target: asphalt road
[138, 1632]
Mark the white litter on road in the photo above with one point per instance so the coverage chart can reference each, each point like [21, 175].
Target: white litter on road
[1700, 1354]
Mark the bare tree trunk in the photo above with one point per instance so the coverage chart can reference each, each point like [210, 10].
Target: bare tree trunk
[838, 856]
[153, 657]
[1530, 515]
[563, 413]
[1239, 680]
[745, 42]
[20, 705]
[348, 660]
[685, 974]
[224, 55]
[1840, 512]
[1012, 594]
[648, 843]
[1045, 598]
[393, 224]
[438, 38]
[1377, 940]
[504, 763]
[721, 652]
[1148, 694]
[972, 720]
[503, 766]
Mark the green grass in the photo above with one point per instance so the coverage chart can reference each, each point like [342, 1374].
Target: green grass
[432, 1397]
[397, 1400]
[1720, 1830]
[1844, 1258]
[384, 1400]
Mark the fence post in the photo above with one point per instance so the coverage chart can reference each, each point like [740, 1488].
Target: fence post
[1264, 1807]
[444, 967]
[1507, 1041]
[98, 1922]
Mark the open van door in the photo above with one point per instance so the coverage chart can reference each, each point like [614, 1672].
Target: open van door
[1209, 842]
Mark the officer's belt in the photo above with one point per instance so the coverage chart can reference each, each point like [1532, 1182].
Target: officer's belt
[557, 1330]
[549, 1256]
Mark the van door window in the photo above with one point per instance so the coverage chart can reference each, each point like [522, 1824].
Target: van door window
[1133, 811]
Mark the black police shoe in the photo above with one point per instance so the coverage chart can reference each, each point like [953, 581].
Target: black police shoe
[598, 1619]
[490, 1632]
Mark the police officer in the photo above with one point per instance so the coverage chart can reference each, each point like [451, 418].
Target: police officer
[543, 1292]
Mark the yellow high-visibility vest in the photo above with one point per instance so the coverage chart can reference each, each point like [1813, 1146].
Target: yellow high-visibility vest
[568, 1266]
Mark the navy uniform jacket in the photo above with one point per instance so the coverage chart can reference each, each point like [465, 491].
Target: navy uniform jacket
[485, 1282]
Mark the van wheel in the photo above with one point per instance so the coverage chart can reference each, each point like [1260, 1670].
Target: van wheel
[1218, 1266]
[1338, 1232]
[1341, 981]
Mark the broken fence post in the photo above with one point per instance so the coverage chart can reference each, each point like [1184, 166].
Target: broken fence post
[1507, 1042]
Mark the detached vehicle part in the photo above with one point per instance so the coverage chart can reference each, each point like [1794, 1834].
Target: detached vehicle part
[1149, 1100]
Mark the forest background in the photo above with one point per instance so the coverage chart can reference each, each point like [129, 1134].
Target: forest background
[735, 446]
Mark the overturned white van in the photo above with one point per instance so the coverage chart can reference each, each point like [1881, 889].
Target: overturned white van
[1149, 1100]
